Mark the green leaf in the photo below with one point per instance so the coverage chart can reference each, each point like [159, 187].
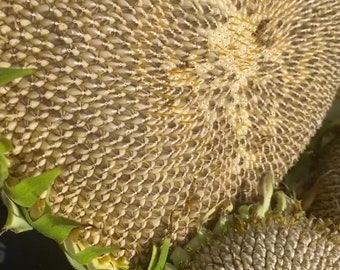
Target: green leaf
[87, 255]
[15, 220]
[28, 191]
[164, 254]
[57, 228]
[5, 145]
[3, 170]
[9, 74]
[154, 253]
[76, 265]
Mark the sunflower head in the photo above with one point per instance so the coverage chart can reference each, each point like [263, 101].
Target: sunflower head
[162, 113]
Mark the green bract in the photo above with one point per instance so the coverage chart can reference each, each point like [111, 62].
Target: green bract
[5, 146]
[57, 228]
[87, 255]
[9, 74]
[29, 190]
[159, 261]
[15, 220]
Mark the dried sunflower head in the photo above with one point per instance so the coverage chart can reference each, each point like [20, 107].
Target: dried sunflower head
[160, 111]
[277, 243]
[263, 237]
